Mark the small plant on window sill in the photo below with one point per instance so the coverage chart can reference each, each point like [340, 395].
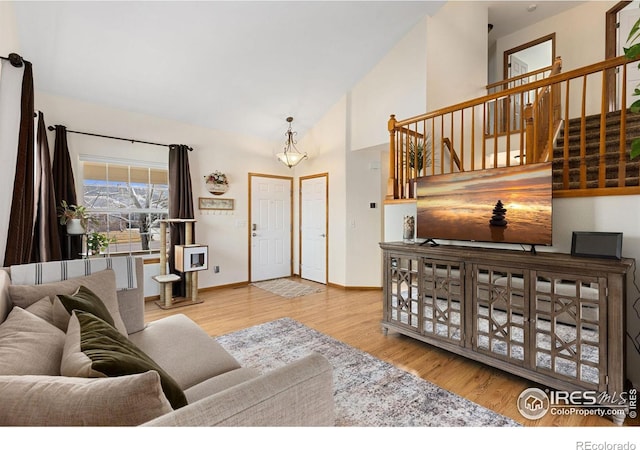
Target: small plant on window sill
[98, 242]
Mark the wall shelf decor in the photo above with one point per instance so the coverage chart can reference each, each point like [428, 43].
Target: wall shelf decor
[217, 183]
[216, 203]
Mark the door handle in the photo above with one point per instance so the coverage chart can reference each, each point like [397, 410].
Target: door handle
[323, 235]
[254, 234]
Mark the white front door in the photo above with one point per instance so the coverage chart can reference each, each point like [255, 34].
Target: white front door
[313, 228]
[270, 227]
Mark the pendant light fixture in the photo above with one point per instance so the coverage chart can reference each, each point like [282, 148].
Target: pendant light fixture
[290, 156]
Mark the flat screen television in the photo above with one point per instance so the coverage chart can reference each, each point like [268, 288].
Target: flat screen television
[506, 205]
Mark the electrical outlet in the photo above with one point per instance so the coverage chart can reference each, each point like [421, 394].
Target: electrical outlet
[216, 269]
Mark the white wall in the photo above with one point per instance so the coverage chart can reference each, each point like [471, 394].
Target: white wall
[10, 89]
[326, 144]
[456, 54]
[225, 234]
[396, 85]
[8, 32]
[364, 224]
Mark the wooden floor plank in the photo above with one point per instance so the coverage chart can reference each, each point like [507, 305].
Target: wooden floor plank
[353, 317]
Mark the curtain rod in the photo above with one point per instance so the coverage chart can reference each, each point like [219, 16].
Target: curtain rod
[51, 128]
[15, 59]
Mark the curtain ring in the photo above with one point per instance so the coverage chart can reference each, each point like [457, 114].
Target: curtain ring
[15, 60]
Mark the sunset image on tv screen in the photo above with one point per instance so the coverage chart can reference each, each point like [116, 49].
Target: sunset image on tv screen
[509, 204]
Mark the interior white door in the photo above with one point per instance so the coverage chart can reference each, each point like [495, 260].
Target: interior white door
[270, 227]
[517, 67]
[627, 18]
[313, 229]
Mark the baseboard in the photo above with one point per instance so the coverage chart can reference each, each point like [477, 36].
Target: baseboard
[225, 286]
[347, 288]
[355, 288]
[152, 298]
[246, 283]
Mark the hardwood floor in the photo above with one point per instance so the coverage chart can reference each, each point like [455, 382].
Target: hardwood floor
[353, 316]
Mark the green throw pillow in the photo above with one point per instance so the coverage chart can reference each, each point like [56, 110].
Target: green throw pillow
[93, 348]
[85, 300]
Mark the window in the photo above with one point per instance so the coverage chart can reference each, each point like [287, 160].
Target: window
[128, 199]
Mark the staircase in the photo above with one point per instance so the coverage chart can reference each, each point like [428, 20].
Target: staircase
[592, 152]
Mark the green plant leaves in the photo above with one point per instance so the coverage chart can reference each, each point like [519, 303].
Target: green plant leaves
[633, 52]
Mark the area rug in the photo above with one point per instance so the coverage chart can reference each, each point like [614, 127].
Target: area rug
[368, 392]
[287, 288]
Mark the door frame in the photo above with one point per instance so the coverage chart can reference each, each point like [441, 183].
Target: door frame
[281, 177]
[326, 222]
[505, 56]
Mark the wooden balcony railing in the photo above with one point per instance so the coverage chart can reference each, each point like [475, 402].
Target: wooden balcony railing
[509, 107]
[459, 138]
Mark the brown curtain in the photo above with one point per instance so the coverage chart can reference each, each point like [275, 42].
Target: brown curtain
[46, 243]
[20, 232]
[64, 187]
[180, 205]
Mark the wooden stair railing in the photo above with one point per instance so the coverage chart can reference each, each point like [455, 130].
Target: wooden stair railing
[579, 92]
[543, 118]
[453, 155]
[508, 107]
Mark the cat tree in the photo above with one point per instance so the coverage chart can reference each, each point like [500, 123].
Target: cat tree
[188, 260]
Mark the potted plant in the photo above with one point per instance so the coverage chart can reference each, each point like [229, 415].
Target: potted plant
[98, 242]
[632, 52]
[419, 149]
[75, 217]
[421, 152]
[217, 183]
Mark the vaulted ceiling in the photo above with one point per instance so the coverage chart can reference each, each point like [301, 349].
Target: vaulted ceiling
[240, 66]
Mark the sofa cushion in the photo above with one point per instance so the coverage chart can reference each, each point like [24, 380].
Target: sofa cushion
[93, 348]
[29, 345]
[102, 284]
[43, 308]
[38, 400]
[172, 341]
[82, 299]
[217, 384]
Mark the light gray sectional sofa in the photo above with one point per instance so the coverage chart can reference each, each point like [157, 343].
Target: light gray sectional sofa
[57, 365]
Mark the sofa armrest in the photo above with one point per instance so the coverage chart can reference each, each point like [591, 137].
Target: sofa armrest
[298, 394]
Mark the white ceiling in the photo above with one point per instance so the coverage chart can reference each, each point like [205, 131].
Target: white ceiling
[510, 16]
[240, 66]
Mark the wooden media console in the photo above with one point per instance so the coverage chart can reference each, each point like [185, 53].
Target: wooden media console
[552, 318]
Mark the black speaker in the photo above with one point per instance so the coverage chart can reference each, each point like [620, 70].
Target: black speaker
[593, 244]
